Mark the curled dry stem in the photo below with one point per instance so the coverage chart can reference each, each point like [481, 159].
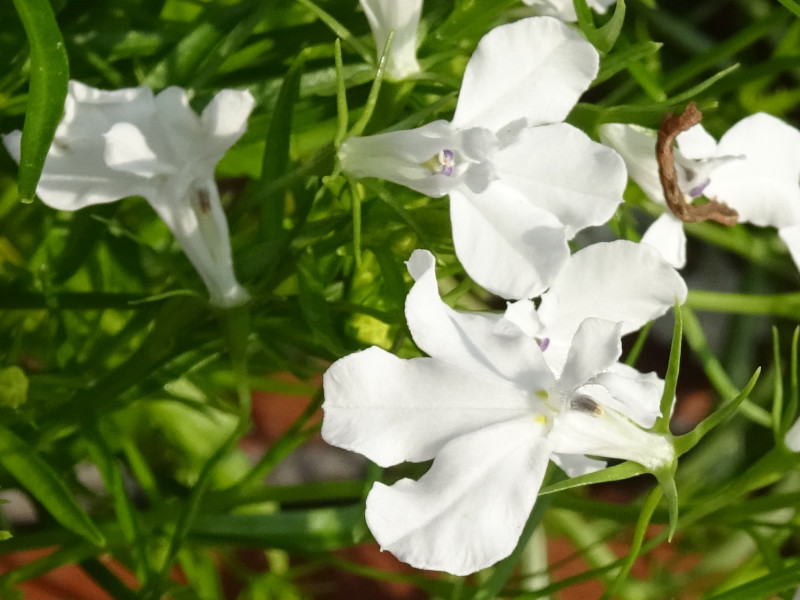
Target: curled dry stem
[671, 126]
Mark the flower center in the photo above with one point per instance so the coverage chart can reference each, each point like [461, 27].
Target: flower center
[442, 163]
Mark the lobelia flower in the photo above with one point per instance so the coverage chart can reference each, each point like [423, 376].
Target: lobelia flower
[754, 169]
[521, 183]
[128, 142]
[565, 9]
[491, 413]
[402, 17]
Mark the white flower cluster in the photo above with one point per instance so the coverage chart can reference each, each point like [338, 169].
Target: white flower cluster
[500, 395]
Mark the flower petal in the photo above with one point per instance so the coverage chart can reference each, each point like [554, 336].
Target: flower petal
[402, 17]
[127, 150]
[75, 174]
[595, 347]
[763, 187]
[611, 435]
[667, 236]
[696, 143]
[618, 281]
[392, 410]
[398, 156]
[224, 121]
[193, 212]
[560, 169]
[507, 245]
[468, 511]
[575, 465]
[631, 393]
[637, 146]
[469, 340]
[534, 69]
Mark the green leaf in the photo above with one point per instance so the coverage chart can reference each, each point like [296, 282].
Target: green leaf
[372, 99]
[316, 530]
[614, 63]
[763, 587]
[44, 484]
[275, 163]
[602, 38]
[688, 441]
[792, 6]
[48, 89]
[615, 473]
[671, 379]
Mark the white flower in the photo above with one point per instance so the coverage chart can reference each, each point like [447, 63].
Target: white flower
[402, 17]
[521, 182]
[113, 144]
[565, 9]
[754, 169]
[491, 413]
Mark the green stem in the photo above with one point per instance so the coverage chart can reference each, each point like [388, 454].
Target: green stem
[716, 373]
[235, 324]
[783, 305]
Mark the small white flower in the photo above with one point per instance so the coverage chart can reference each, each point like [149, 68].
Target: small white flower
[114, 144]
[491, 413]
[565, 9]
[402, 17]
[521, 182]
[754, 169]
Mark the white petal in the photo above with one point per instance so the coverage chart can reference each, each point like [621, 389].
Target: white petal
[792, 438]
[633, 394]
[637, 146]
[618, 281]
[469, 340]
[193, 212]
[610, 435]
[468, 511]
[534, 69]
[224, 120]
[575, 465]
[667, 236]
[763, 187]
[507, 245]
[696, 143]
[402, 17]
[75, 174]
[127, 150]
[398, 156]
[560, 169]
[393, 410]
[595, 347]
[561, 9]
[522, 313]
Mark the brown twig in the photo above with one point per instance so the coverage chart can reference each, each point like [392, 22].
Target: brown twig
[671, 126]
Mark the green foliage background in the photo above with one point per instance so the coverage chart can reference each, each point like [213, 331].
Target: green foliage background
[111, 355]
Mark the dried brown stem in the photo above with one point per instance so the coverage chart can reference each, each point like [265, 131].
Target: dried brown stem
[671, 126]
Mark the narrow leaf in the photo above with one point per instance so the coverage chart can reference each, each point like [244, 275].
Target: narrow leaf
[48, 89]
[44, 484]
[671, 379]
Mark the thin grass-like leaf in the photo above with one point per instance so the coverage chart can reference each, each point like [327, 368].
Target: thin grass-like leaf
[48, 89]
[44, 484]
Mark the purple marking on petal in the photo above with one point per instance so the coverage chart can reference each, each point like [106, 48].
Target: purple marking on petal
[448, 155]
[447, 170]
[544, 343]
[698, 190]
